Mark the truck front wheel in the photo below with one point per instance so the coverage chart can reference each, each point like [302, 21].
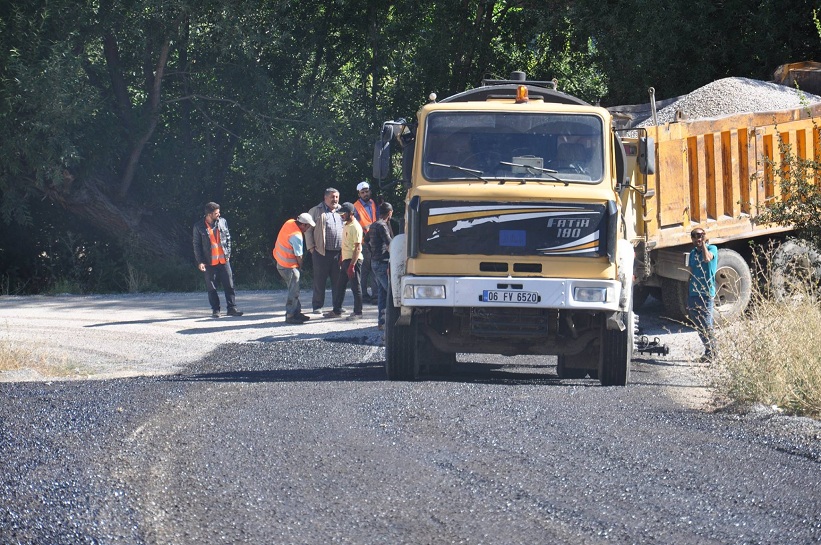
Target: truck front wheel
[617, 350]
[400, 345]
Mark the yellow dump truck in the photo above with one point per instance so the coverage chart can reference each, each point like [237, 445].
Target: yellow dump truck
[535, 222]
[516, 238]
[712, 173]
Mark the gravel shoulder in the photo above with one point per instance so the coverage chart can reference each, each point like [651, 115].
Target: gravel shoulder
[267, 433]
[109, 336]
[69, 337]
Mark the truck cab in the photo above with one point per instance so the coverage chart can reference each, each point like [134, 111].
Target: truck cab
[514, 239]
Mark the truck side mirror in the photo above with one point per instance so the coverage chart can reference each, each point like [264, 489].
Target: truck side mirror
[647, 155]
[381, 159]
[407, 165]
[622, 176]
[382, 148]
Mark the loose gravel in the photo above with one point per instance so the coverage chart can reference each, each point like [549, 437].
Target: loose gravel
[286, 435]
[107, 336]
[729, 96]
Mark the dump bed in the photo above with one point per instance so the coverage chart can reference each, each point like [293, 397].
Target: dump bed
[711, 173]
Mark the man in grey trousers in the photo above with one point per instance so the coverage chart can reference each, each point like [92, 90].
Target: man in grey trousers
[324, 242]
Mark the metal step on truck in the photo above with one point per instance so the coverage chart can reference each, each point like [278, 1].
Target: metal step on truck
[516, 238]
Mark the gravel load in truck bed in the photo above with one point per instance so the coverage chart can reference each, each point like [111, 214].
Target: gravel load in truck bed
[730, 96]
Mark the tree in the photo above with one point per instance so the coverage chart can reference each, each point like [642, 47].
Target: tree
[131, 115]
[126, 116]
[83, 111]
[677, 46]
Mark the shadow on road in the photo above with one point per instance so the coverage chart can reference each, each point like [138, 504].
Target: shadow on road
[467, 372]
[359, 372]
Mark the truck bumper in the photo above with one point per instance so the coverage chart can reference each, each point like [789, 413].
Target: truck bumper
[544, 293]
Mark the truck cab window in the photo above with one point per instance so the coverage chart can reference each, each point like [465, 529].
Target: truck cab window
[503, 145]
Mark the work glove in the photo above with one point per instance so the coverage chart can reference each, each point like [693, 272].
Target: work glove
[351, 269]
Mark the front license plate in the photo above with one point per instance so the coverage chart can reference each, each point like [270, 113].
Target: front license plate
[507, 296]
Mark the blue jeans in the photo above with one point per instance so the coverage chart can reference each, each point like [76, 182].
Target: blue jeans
[701, 308]
[380, 272]
[291, 277]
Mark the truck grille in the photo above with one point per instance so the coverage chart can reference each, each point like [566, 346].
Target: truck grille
[508, 322]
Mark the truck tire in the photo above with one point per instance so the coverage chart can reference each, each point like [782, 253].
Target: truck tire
[401, 362]
[674, 298]
[793, 264]
[734, 286]
[617, 350]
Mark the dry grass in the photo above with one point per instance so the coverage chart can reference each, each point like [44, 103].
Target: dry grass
[773, 354]
[13, 358]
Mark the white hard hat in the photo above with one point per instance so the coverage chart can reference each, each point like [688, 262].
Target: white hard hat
[363, 185]
[306, 218]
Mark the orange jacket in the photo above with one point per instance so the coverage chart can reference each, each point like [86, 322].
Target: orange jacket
[366, 215]
[283, 250]
[217, 253]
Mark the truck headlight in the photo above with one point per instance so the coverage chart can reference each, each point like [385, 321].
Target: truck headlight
[415, 291]
[590, 295]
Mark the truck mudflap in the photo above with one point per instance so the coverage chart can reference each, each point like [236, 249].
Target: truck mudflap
[614, 321]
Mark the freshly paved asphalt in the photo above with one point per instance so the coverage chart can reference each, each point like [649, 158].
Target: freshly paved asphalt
[302, 440]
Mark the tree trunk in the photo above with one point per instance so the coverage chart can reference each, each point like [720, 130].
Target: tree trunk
[150, 235]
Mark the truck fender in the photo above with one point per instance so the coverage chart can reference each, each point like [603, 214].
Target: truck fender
[397, 267]
[625, 256]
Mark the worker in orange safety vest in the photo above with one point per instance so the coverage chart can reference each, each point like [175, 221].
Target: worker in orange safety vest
[288, 252]
[212, 252]
[366, 214]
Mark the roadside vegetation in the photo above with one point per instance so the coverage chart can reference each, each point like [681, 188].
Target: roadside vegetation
[772, 355]
[14, 358]
[11, 358]
[128, 117]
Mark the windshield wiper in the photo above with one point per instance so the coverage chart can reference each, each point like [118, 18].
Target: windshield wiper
[475, 173]
[549, 171]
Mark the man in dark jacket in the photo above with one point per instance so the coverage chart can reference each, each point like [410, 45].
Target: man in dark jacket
[380, 238]
[212, 252]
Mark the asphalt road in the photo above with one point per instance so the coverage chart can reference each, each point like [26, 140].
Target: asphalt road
[301, 439]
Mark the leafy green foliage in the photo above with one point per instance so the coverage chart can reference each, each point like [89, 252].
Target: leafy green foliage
[676, 46]
[121, 119]
[799, 204]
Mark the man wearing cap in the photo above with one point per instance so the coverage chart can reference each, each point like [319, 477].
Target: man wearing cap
[703, 262]
[324, 242]
[288, 252]
[351, 264]
[380, 241]
[366, 214]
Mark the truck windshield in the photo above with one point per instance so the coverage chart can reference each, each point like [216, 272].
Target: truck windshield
[522, 146]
